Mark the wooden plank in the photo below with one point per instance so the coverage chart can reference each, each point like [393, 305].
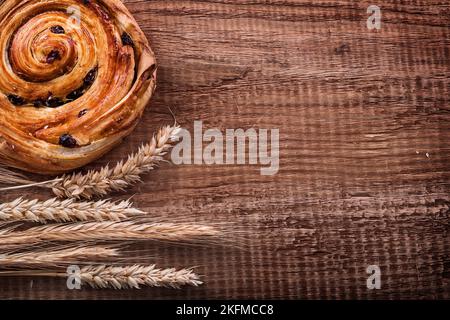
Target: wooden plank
[364, 144]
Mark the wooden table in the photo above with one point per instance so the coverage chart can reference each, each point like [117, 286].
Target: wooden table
[364, 120]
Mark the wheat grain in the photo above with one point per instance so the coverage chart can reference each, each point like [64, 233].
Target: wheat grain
[124, 174]
[56, 257]
[127, 230]
[66, 210]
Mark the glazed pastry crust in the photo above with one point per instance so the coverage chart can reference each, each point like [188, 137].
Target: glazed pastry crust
[75, 77]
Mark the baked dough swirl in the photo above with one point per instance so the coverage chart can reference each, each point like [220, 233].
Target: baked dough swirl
[75, 77]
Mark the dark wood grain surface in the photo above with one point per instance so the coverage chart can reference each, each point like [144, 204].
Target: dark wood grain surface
[364, 120]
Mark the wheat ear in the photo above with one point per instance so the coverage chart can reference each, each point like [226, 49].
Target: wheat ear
[56, 257]
[66, 210]
[124, 174]
[137, 275]
[101, 182]
[123, 277]
[127, 230]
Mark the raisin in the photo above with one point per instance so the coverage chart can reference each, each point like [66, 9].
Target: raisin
[53, 102]
[57, 30]
[53, 55]
[126, 40]
[74, 95]
[90, 77]
[82, 113]
[16, 100]
[66, 140]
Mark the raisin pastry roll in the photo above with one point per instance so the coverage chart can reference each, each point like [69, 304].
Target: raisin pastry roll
[75, 77]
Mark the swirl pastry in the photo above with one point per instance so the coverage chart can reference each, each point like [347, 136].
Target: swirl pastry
[75, 77]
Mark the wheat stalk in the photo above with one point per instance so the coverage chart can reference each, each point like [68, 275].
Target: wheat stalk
[127, 230]
[123, 277]
[55, 257]
[66, 210]
[10, 177]
[123, 175]
[101, 182]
